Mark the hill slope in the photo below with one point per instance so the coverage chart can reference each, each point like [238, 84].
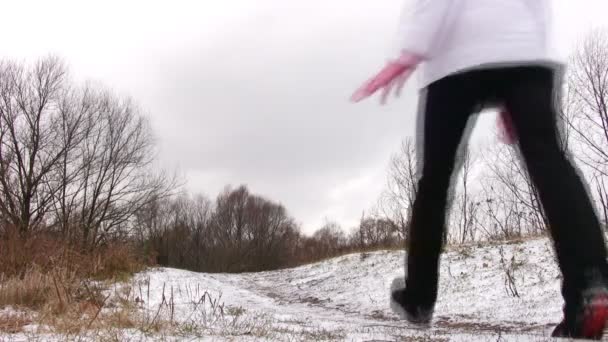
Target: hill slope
[347, 298]
[343, 299]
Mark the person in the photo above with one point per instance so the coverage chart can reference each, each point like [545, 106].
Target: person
[496, 53]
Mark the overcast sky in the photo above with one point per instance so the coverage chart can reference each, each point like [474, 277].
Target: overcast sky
[252, 91]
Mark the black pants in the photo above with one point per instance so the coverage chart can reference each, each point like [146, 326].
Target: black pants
[528, 94]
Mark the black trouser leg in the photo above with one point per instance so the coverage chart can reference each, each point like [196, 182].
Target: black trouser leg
[449, 103]
[574, 225]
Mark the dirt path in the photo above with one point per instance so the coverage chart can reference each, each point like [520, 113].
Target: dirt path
[340, 319]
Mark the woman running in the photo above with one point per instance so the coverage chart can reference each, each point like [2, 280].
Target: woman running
[492, 53]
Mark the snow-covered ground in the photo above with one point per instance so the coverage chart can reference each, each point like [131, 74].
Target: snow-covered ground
[346, 299]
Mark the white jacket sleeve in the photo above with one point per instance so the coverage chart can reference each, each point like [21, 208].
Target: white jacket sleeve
[421, 24]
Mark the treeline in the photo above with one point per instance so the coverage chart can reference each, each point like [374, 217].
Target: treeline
[242, 232]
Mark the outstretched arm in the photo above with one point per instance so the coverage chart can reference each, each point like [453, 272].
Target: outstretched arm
[418, 31]
[395, 73]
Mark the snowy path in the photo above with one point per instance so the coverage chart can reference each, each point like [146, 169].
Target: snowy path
[347, 298]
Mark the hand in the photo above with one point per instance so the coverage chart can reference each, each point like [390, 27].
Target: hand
[395, 73]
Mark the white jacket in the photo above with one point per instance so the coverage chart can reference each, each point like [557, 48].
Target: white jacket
[458, 35]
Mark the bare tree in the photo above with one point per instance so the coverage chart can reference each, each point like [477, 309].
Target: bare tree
[330, 239]
[467, 205]
[587, 114]
[398, 199]
[375, 231]
[31, 128]
[589, 81]
[249, 231]
[117, 178]
[74, 126]
[511, 201]
[80, 154]
[104, 174]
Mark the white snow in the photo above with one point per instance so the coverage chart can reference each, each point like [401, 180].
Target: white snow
[346, 299]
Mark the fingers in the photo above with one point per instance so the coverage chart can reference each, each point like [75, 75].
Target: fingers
[367, 89]
[385, 79]
[361, 93]
[401, 82]
[398, 83]
[381, 80]
[386, 91]
[357, 96]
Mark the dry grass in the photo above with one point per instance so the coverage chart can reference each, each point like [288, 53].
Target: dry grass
[14, 322]
[31, 290]
[67, 305]
[61, 286]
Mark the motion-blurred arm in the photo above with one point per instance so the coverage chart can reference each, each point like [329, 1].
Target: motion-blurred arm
[420, 24]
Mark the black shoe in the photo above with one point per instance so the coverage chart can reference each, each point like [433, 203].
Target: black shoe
[588, 320]
[406, 308]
